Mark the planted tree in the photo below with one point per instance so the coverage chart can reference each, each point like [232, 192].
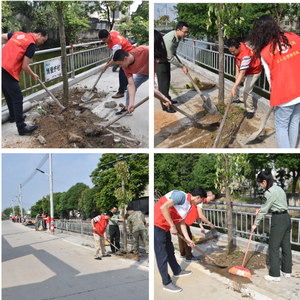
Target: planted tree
[123, 196]
[229, 169]
[228, 15]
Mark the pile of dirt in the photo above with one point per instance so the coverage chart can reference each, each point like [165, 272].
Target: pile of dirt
[78, 127]
[235, 121]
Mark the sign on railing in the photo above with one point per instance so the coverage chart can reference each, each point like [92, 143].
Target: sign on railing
[53, 68]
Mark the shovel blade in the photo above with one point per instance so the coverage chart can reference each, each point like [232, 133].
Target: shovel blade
[252, 137]
[210, 107]
[87, 96]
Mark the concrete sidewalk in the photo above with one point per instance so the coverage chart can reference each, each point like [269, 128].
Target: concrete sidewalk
[39, 265]
[213, 283]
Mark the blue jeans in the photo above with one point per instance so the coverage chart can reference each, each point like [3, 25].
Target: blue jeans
[164, 253]
[14, 98]
[138, 79]
[287, 121]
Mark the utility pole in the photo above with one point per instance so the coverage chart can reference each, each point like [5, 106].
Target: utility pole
[12, 200]
[51, 195]
[21, 207]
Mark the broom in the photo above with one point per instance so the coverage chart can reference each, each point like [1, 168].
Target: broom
[241, 271]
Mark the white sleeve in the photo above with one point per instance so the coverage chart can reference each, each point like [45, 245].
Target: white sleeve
[267, 70]
[116, 47]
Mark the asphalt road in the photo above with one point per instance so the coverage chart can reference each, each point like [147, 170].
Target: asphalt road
[38, 265]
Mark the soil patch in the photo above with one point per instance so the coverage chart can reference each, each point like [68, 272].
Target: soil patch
[78, 127]
[254, 261]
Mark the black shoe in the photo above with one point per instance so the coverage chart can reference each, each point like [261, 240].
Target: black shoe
[237, 101]
[170, 110]
[174, 101]
[12, 119]
[121, 111]
[106, 255]
[27, 129]
[250, 115]
[98, 258]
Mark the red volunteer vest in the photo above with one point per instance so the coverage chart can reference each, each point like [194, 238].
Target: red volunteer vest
[116, 39]
[177, 212]
[14, 50]
[255, 64]
[192, 215]
[284, 70]
[101, 225]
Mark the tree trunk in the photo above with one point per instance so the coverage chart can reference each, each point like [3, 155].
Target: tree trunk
[295, 179]
[63, 54]
[228, 211]
[123, 216]
[221, 61]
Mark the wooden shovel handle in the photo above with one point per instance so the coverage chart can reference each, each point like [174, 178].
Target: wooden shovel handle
[222, 124]
[50, 94]
[123, 115]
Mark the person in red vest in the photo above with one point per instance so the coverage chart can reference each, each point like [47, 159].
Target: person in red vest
[116, 41]
[16, 55]
[248, 67]
[195, 215]
[99, 224]
[280, 56]
[170, 210]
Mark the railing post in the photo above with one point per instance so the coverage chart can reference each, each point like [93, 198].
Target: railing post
[193, 40]
[72, 61]
[81, 226]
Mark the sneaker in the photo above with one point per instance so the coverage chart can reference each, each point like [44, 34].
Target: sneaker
[106, 255]
[171, 287]
[183, 273]
[98, 258]
[250, 115]
[271, 278]
[286, 275]
[174, 102]
[192, 259]
[121, 111]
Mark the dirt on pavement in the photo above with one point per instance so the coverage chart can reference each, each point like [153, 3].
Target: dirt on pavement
[78, 127]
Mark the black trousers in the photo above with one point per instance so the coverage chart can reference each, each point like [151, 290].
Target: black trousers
[280, 237]
[123, 82]
[14, 98]
[114, 233]
[163, 73]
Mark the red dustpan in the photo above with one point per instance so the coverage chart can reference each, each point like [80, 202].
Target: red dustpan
[241, 271]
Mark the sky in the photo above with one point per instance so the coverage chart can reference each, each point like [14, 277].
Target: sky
[160, 9]
[68, 169]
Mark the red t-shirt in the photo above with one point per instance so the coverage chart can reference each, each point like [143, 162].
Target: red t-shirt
[100, 224]
[141, 62]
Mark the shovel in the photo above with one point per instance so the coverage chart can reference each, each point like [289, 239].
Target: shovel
[123, 115]
[89, 94]
[210, 258]
[118, 250]
[222, 124]
[262, 126]
[197, 121]
[52, 96]
[207, 104]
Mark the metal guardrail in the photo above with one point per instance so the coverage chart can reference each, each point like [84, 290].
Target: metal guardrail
[206, 54]
[85, 228]
[242, 222]
[76, 62]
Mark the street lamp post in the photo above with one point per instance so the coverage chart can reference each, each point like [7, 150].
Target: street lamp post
[50, 178]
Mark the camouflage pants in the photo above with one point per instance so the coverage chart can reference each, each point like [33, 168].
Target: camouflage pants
[144, 237]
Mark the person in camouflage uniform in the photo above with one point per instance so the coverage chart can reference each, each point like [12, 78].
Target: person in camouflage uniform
[137, 226]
